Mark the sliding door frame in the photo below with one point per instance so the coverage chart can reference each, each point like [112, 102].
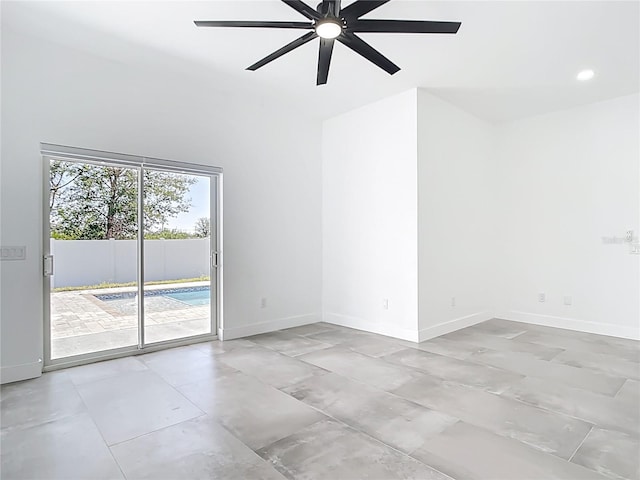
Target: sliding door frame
[101, 158]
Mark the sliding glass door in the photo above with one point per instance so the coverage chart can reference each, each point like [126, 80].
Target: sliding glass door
[93, 224]
[177, 257]
[131, 254]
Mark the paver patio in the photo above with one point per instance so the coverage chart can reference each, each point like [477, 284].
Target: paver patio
[82, 323]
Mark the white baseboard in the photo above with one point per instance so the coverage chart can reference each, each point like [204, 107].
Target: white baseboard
[572, 324]
[265, 327]
[15, 373]
[453, 325]
[372, 327]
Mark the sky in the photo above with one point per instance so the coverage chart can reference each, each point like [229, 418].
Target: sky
[199, 193]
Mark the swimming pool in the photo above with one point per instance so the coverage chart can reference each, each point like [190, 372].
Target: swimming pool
[192, 296]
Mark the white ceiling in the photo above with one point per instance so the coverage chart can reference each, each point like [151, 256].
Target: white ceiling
[510, 59]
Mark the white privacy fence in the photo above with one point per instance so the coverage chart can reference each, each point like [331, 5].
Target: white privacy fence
[91, 262]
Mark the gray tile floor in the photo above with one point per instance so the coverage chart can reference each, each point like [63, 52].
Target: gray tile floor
[499, 400]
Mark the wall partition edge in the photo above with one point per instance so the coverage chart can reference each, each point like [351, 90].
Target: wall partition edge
[50, 151]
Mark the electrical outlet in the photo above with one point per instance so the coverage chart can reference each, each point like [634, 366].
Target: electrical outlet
[629, 236]
[542, 297]
[568, 300]
[385, 303]
[453, 301]
[263, 302]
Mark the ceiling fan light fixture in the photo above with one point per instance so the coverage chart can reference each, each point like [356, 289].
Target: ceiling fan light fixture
[328, 29]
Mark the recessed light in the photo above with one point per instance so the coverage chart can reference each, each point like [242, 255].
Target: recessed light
[585, 75]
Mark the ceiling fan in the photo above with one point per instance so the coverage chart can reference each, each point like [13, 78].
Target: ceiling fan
[330, 22]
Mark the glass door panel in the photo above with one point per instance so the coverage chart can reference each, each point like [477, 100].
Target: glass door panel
[93, 223]
[130, 255]
[177, 256]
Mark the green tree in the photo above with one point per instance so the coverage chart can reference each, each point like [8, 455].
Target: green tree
[94, 202]
[173, 234]
[203, 227]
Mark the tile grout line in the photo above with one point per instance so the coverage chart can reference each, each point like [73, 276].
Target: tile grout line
[93, 421]
[518, 335]
[547, 409]
[583, 440]
[520, 401]
[478, 362]
[356, 429]
[562, 350]
[588, 350]
[559, 414]
[542, 408]
[325, 414]
[271, 348]
[621, 387]
[470, 358]
[204, 414]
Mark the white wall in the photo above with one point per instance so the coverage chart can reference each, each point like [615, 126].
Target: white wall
[272, 170]
[370, 217]
[565, 180]
[503, 213]
[115, 261]
[559, 183]
[456, 212]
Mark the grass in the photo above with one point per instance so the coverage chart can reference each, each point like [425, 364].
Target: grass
[203, 278]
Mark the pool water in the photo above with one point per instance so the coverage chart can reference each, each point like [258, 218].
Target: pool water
[163, 299]
[190, 296]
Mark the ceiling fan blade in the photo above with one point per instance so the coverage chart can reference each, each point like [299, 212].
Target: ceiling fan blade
[404, 26]
[286, 49]
[251, 24]
[367, 51]
[361, 7]
[324, 59]
[304, 9]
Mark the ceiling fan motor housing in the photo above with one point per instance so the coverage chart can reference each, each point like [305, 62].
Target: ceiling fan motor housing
[326, 8]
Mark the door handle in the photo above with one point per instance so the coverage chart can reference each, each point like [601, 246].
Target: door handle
[47, 267]
[214, 259]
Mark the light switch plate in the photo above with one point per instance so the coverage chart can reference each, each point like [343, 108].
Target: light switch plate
[13, 252]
